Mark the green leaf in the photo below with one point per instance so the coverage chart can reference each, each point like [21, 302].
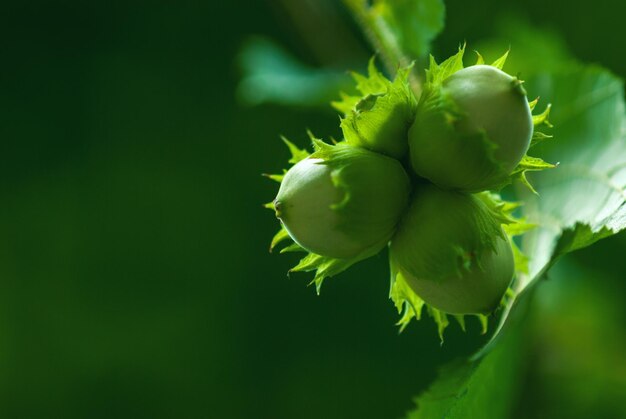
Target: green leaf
[374, 84]
[325, 267]
[437, 73]
[297, 154]
[415, 23]
[580, 202]
[475, 390]
[399, 30]
[533, 50]
[272, 75]
[530, 164]
[583, 200]
[279, 237]
[499, 63]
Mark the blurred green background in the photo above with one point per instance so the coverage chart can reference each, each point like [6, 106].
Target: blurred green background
[135, 279]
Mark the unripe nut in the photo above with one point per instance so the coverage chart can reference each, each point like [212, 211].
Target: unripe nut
[472, 131]
[478, 290]
[307, 193]
[452, 252]
[343, 205]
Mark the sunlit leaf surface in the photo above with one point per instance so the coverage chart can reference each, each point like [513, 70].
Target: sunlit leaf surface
[580, 202]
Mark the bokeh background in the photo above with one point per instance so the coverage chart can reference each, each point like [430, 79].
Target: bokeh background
[135, 278]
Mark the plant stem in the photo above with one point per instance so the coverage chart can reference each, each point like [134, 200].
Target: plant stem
[382, 38]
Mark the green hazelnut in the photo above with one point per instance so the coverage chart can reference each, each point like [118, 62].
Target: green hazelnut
[452, 252]
[471, 130]
[342, 201]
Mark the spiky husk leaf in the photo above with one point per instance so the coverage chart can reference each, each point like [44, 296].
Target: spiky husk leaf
[380, 117]
[472, 161]
[410, 304]
[372, 192]
[443, 232]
